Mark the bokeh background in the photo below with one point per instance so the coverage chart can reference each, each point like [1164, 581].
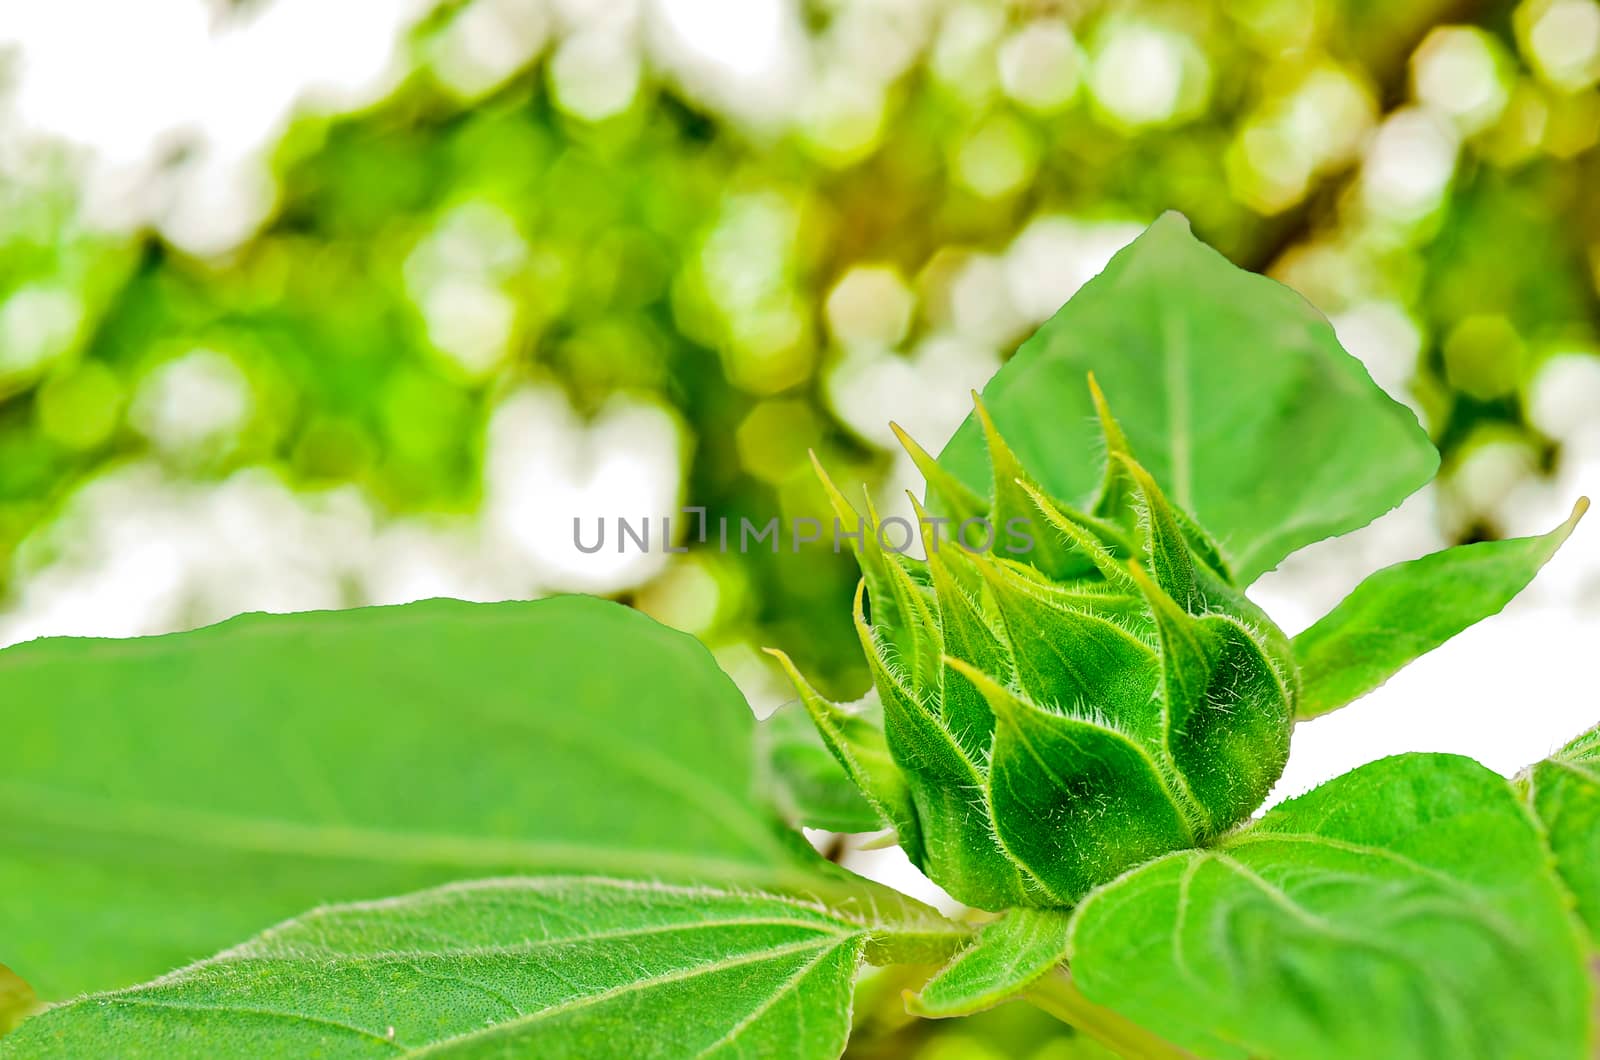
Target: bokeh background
[309, 304]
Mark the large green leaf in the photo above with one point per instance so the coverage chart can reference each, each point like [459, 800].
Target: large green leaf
[163, 797]
[1231, 388]
[1405, 909]
[548, 967]
[1007, 955]
[1564, 790]
[1410, 609]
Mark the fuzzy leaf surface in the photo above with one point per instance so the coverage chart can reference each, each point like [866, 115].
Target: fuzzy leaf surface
[1564, 790]
[1405, 909]
[1231, 388]
[548, 967]
[163, 797]
[1409, 609]
[1007, 955]
[1075, 802]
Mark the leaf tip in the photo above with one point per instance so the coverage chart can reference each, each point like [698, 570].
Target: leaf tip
[1001, 702]
[1559, 535]
[1160, 601]
[916, 505]
[836, 498]
[1116, 440]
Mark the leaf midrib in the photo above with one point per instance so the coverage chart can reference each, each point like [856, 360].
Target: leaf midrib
[1316, 922]
[766, 1006]
[1470, 897]
[236, 832]
[529, 946]
[679, 975]
[1576, 768]
[197, 1006]
[1178, 417]
[522, 1021]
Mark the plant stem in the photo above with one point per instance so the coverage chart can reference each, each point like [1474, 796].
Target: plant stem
[1057, 995]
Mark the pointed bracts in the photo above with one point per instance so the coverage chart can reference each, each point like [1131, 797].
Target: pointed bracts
[1065, 692]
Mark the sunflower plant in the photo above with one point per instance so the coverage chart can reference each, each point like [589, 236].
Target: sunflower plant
[556, 829]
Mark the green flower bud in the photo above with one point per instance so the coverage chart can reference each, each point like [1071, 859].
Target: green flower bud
[1050, 718]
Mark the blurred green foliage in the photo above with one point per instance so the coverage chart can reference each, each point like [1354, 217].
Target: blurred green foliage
[1438, 185]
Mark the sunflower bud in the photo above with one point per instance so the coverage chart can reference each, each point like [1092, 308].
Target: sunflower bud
[1052, 716]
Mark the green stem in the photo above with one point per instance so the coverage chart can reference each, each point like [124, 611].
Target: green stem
[1057, 995]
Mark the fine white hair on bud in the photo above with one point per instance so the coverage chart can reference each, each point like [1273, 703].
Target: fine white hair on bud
[1054, 716]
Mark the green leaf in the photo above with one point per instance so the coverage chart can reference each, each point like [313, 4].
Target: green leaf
[806, 781]
[1006, 957]
[165, 796]
[547, 967]
[1409, 609]
[1405, 909]
[1230, 386]
[1564, 790]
